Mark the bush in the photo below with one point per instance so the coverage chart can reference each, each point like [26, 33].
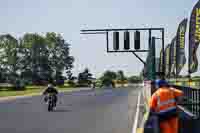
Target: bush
[108, 82]
[82, 85]
[71, 83]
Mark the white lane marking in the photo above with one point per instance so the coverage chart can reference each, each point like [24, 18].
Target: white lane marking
[134, 129]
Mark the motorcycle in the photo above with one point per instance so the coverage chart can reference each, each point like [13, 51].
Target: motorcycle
[51, 102]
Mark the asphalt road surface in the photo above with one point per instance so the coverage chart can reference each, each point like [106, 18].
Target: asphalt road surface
[108, 111]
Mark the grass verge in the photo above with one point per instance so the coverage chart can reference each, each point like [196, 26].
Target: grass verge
[31, 90]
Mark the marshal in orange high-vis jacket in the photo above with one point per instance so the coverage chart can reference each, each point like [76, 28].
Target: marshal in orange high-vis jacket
[164, 103]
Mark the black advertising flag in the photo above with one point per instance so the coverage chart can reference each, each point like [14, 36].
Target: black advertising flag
[167, 60]
[173, 56]
[180, 46]
[194, 38]
[161, 69]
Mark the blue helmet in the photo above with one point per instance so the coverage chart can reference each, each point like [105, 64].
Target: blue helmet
[160, 82]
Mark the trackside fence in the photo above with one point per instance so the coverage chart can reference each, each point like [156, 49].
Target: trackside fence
[192, 99]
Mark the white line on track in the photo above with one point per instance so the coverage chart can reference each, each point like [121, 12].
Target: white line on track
[134, 129]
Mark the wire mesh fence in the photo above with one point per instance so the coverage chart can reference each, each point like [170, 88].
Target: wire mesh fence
[192, 102]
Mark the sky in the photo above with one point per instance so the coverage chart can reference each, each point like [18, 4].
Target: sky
[68, 17]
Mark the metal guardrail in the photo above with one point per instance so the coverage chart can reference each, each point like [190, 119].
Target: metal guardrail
[192, 102]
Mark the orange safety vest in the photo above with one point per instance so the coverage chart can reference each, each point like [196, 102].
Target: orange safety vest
[163, 102]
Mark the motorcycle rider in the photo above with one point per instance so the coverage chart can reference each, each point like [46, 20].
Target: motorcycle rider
[48, 90]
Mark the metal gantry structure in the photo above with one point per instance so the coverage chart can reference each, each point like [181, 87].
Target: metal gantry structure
[151, 44]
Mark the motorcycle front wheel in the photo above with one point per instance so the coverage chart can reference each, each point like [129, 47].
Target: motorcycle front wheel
[50, 107]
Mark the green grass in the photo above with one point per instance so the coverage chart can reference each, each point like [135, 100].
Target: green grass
[31, 89]
[5, 93]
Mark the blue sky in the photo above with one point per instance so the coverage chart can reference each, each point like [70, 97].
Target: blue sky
[68, 17]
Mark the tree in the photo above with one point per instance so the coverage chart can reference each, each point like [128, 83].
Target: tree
[35, 58]
[121, 77]
[9, 58]
[108, 78]
[59, 55]
[45, 57]
[85, 78]
[35, 54]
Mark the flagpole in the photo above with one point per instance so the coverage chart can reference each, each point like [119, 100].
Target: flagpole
[189, 60]
[189, 74]
[175, 64]
[175, 73]
[175, 76]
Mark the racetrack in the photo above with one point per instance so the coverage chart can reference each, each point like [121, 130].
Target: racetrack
[86, 111]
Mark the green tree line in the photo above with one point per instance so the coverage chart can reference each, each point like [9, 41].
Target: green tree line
[112, 78]
[34, 58]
